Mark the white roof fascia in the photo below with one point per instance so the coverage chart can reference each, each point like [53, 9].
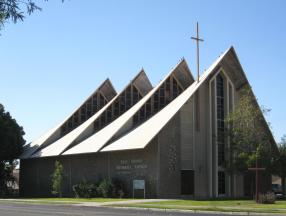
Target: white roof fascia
[61, 144]
[30, 148]
[33, 146]
[95, 142]
[141, 136]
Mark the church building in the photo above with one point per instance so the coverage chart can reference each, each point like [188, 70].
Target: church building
[166, 140]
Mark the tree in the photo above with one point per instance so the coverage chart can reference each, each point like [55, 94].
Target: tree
[11, 146]
[279, 163]
[57, 179]
[13, 10]
[251, 142]
[249, 136]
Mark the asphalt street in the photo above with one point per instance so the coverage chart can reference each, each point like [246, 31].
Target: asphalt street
[21, 209]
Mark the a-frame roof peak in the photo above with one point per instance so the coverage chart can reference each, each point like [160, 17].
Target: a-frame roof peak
[140, 136]
[106, 89]
[231, 64]
[142, 82]
[183, 73]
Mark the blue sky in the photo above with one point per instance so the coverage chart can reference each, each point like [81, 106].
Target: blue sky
[57, 57]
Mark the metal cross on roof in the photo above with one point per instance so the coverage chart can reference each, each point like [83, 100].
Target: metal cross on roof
[198, 39]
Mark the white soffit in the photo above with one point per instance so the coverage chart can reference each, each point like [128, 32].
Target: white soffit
[64, 142]
[30, 148]
[143, 134]
[61, 144]
[95, 142]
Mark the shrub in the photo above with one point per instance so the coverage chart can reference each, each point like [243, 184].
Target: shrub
[57, 179]
[106, 189]
[118, 188]
[268, 198]
[85, 190]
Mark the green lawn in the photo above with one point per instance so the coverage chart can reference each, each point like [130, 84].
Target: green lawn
[79, 200]
[212, 205]
[62, 200]
[215, 205]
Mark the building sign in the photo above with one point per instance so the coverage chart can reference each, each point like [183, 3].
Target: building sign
[125, 166]
[138, 184]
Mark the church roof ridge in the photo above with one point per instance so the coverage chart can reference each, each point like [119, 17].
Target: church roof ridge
[145, 132]
[64, 142]
[34, 145]
[97, 141]
[121, 120]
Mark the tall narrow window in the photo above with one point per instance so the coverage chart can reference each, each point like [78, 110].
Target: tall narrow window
[70, 123]
[135, 95]
[156, 101]
[122, 103]
[88, 108]
[96, 125]
[75, 119]
[109, 114]
[128, 97]
[168, 91]
[116, 109]
[142, 113]
[94, 103]
[148, 108]
[101, 101]
[83, 113]
[103, 119]
[175, 88]
[162, 96]
[64, 130]
[220, 119]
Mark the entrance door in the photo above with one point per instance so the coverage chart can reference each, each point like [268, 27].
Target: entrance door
[187, 182]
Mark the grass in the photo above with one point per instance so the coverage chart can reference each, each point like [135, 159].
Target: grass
[62, 200]
[79, 200]
[215, 205]
[212, 205]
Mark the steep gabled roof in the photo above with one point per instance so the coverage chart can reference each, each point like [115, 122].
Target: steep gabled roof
[140, 137]
[101, 138]
[87, 127]
[231, 63]
[106, 89]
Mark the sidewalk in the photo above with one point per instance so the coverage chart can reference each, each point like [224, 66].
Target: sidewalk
[34, 200]
[79, 203]
[125, 202]
[117, 205]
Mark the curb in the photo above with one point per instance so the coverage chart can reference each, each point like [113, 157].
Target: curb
[105, 205]
[192, 211]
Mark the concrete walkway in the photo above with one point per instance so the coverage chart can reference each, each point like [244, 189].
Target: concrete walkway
[35, 200]
[110, 204]
[124, 202]
[79, 203]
